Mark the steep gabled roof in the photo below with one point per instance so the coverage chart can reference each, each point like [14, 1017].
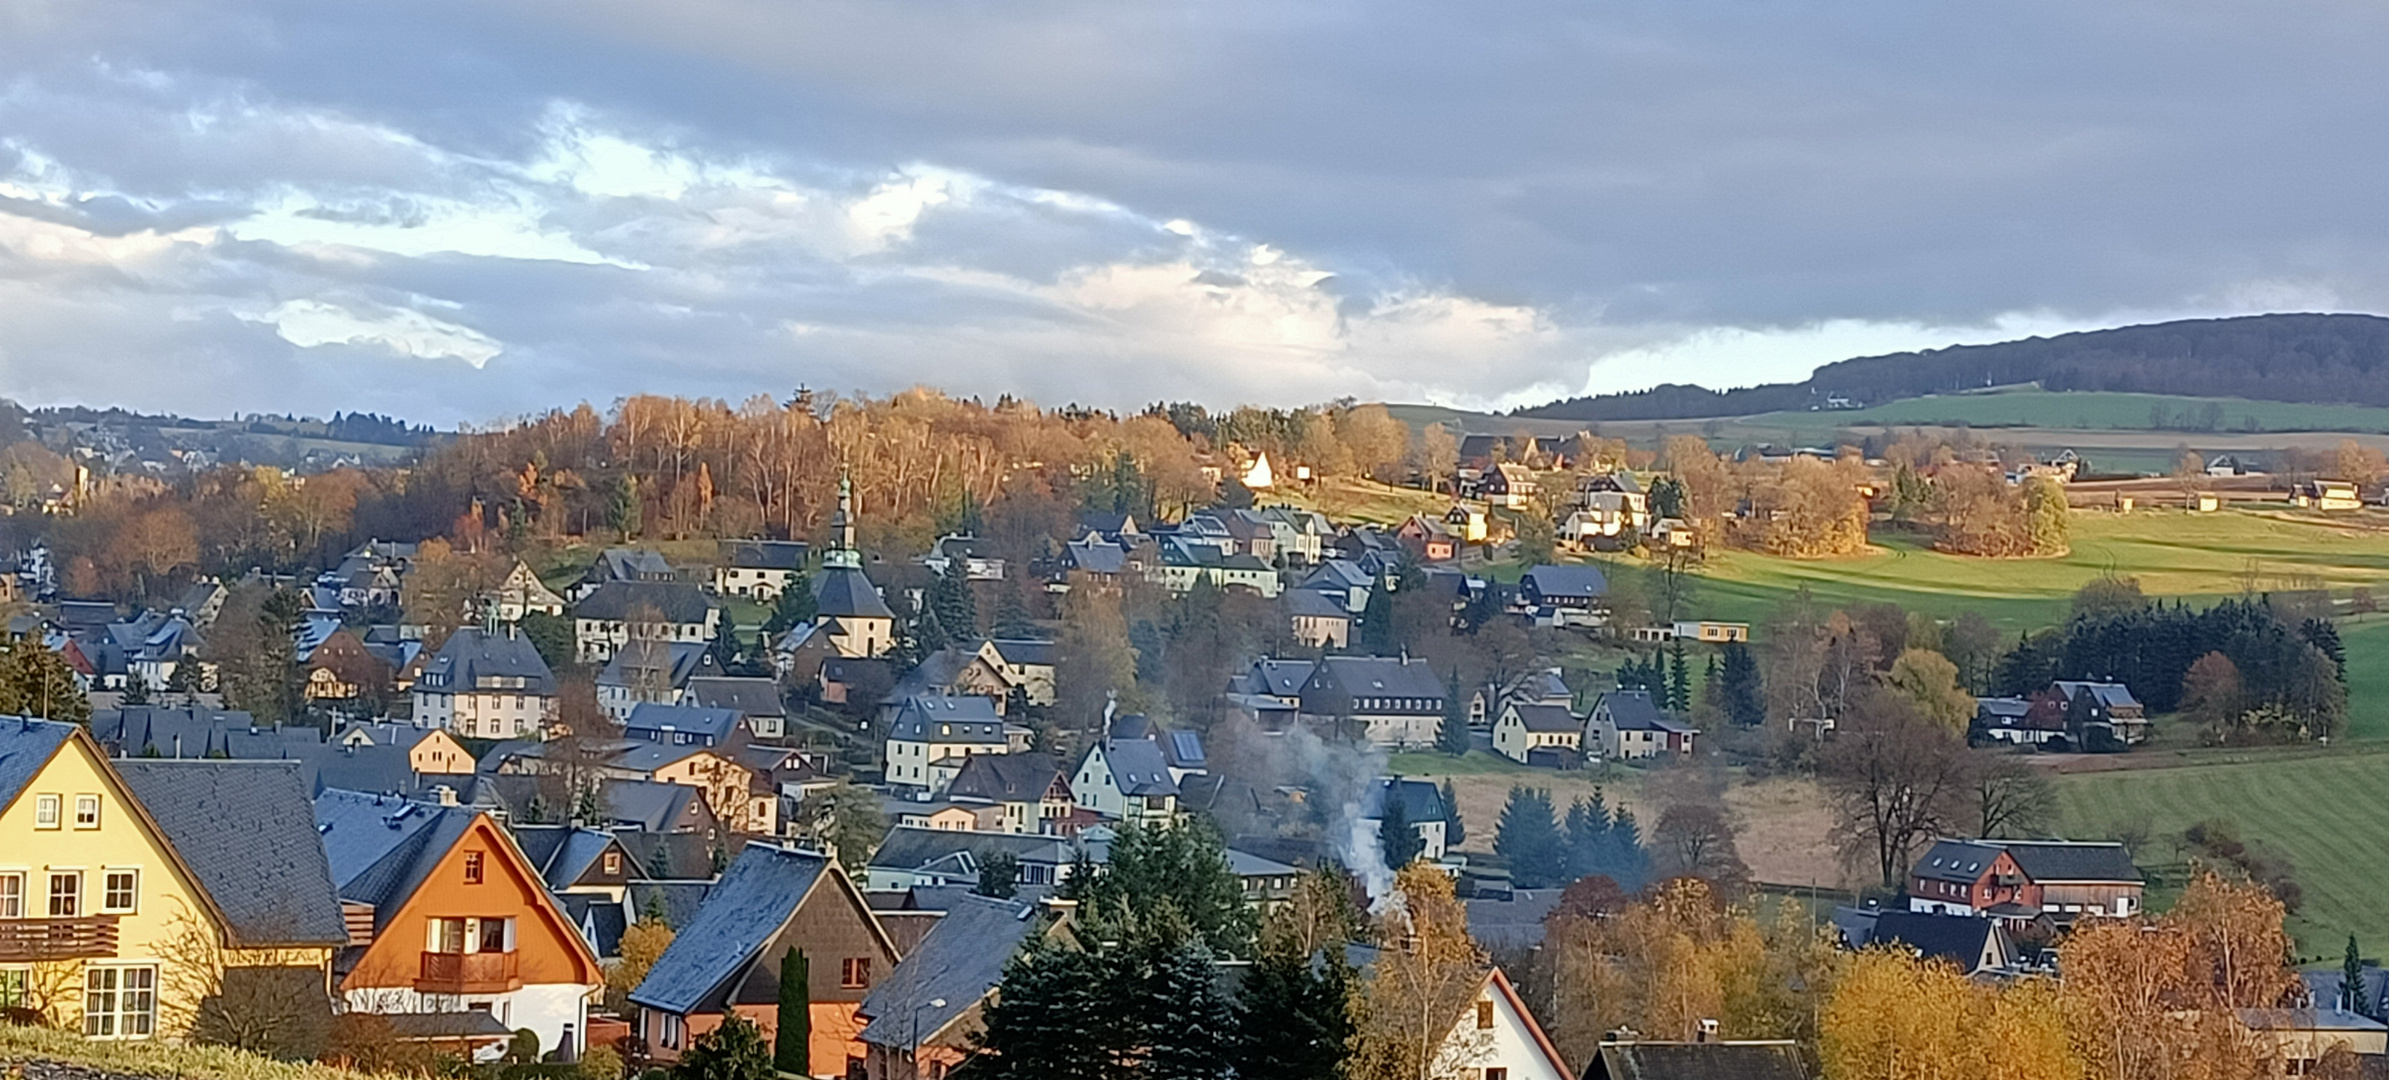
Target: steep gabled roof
[618, 601]
[247, 831]
[1022, 652]
[1422, 801]
[1545, 719]
[26, 747]
[470, 655]
[676, 662]
[1379, 676]
[1956, 861]
[748, 696]
[742, 913]
[716, 724]
[929, 718]
[959, 962]
[1138, 768]
[2046, 861]
[766, 554]
[844, 592]
[1004, 777]
[1751, 1060]
[1575, 581]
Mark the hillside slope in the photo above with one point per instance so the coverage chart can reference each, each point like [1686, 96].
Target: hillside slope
[2329, 358]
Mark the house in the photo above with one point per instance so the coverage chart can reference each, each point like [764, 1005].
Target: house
[727, 960]
[1609, 507]
[1257, 475]
[1319, 621]
[522, 593]
[930, 729]
[1971, 943]
[109, 927]
[759, 569]
[1496, 1038]
[1626, 725]
[1574, 595]
[485, 684]
[1717, 1059]
[1545, 686]
[2077, 878]
[680, 725]
[730, 787]
[2102, 715]
[1507, 485]
[978, 558]
[1534, 734]
[342, 671]
[619, 612]
[847, 607]
[2013, 720]
[965, 670]
[911, 857]
[447, 919]
[1971, 877]
[622, 564]
[754, 698]
[1092, 559]
[578, 861]
[2294, 1042]
[1026, 663]
[1422, 806]
[1428, 539]
[924, 1019]
[1711, 631]
[2222, 465]
[1389, 701]
[1342, 581]
[2331, 495]
[1184, 562]
[1126, 780]
[1028, 790]
[429, 751]
[651, 672]
[1268, 883]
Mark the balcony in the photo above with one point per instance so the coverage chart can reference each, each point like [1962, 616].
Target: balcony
[28, 940]
[469, 973]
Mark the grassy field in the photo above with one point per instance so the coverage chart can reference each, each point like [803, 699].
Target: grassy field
[2317, 811]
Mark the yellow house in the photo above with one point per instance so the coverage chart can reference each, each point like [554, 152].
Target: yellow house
[119, 927]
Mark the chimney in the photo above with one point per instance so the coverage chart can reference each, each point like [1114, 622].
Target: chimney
[1708, 1031]
[446, 794]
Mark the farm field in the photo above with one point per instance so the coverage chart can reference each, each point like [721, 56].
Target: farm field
[2316, 811]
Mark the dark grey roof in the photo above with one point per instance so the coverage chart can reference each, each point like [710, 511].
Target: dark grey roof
[1575, 581]
[1513, 923]
[930, 718]
[1096, 556]
[1138, 769]
[1631, 710]
[384, 769]
[1545, 718]
[599, 918]
[680, 900]
[247, 829]
[1959, 861]
[959, 962]
[561, 853]
[2112, 695]
[646, 804]
[468, 656]
[649, 720]
[2068, 860]
[2003, 710]
[632, 564]
[637, 662]
[194, 731]
[1697, 1061]
[26, 745]
[1422, 801]
[1279, 678]
[380, 848]
[747, 696]
[1004, 777]
[844, 592]
[1956, 938]
[2308, 1020]
[935, 673]
[674, 601]
[474, 1024]
[766, 554]
[1310, 604]
[1023, 652]
[1379, 676]
[745, 909]
[908, 848]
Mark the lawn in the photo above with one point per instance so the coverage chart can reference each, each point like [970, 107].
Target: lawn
[1482, 781]
[2024, 406]
[1347, 499]
[2319, 812]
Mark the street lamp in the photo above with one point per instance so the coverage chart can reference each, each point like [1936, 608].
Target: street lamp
[912, 1053]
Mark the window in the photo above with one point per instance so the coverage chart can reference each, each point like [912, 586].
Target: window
[45, 811]
[493, 935]
[12, 987]
[447, 935]
[613, 862]
[12, 896]
[119, 1002]
[66, 894]
[87, 811]
[854, 973]
[1497, 1074]
[472, 868]
[120, 891]
[1484, 1016]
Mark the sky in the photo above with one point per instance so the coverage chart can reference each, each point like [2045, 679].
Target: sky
[461, 212]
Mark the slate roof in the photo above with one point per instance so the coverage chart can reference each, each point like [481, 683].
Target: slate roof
[1278, 678]
[2112, 695]
[1380, 676]
[1633, 710]
[380, 848]
[2068, 860]
[26, 745]
[845, 592]
[651, 721]
[647, 804]
[1138, 768]
[1572, 581]
[767, 555]
[473, 1024]
[747, 696]
[960, 961]
[679, 661]
[908, 848]
[561, 853]
[675, 601]
[928, 718]
[935, 673]
[1246, 864]
[599, 919]
[1513, 923]
[1546, 718]
[1022, 652]
[1311, 604]
[1755, 1060]
[633, 564]
[1095, 556]
[468, 656]
[247, 829]
[1956, 938]
[749, 905]
[1422, 801]
[680, 900]
[1004, 777]
[1957, 861]
[647, 757]
[134, 729]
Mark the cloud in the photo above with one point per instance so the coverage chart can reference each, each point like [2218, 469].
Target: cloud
[512, 205]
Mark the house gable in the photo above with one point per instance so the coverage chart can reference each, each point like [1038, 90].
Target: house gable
[551, 948]
[831, 925]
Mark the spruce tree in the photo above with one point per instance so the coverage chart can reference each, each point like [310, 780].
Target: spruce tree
[1588, 836]
[2351, 971]
[999, 876]
[1528, 838]
[792, 1044]
[1294, 1019]
[1630, 864]
[1679, 680]
[1049, 1020]
[1738, 679]
[1455, 831]
[1397, 838]
[950, 597]
[1451, 736]
[1190, 1030]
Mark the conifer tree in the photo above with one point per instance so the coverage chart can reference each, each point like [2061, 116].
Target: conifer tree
[1528, 838]
[1051, 1019]
[1630, 863]
[1397, 838]
[792, 1043]
[1294, 1018]
[1738, 680]
[1679, 680]
[1190, 1029]
[1455, 831]
[1451, 736]
[1588, 836]
[2351, 971]
[950, 598]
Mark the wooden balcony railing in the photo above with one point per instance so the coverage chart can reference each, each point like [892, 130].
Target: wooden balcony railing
[469, 973]
[27, 940]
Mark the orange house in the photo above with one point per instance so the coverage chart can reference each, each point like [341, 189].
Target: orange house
[728, 957]
[449, 922]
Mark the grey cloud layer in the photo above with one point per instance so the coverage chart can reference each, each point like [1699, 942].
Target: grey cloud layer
[459, 211]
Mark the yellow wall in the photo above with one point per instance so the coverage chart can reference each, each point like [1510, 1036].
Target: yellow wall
[170, 927]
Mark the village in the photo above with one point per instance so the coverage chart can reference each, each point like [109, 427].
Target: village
[858, 798]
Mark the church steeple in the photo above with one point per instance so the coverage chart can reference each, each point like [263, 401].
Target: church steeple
[842, 553]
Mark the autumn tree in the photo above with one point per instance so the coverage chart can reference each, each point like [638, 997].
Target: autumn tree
[2010, 798]
[1928, 681]
[37, 682]
[1430, 970]
[1696, 839]
[2212, 694]
[1435, 455]
[1894, 1016]
[643, 943]
[1095, 663]
[1896, 779]
[2154, 1000]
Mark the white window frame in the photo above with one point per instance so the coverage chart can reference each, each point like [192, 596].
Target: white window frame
[109, 995]
[51, 894]
[108, 875]
[49, 811]
[89, 802]
[12, 902]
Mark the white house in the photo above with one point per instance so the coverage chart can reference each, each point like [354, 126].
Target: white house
[1126, 779]
[929, 729]
[1626, 725]
[486, 685]
[1495, 1038]
[1526, 727]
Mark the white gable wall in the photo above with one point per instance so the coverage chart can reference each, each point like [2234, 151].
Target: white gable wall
[1509, 1044]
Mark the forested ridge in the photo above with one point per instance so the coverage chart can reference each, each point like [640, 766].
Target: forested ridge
[2299, 358]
